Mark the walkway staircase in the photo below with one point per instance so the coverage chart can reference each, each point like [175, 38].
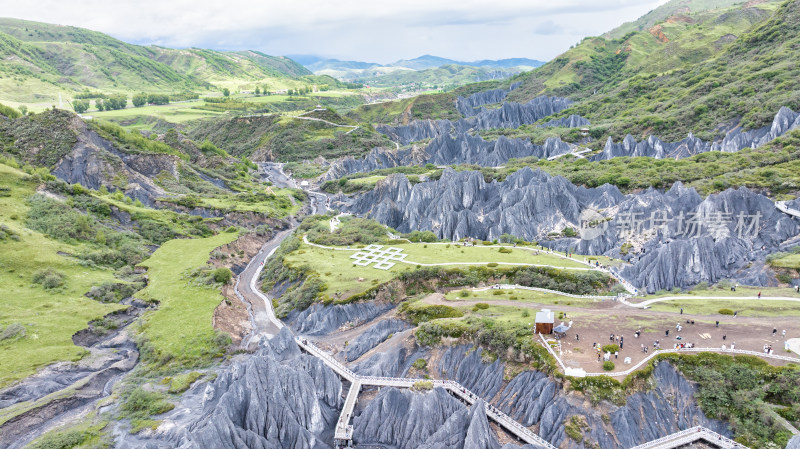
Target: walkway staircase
[691, 435]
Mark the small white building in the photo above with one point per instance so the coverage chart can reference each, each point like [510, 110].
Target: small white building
[544, 321]
[304, 184]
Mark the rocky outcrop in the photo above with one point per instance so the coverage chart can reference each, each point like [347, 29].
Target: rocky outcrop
[95, 162]
[278, 398]
[464, 364]
[509, 115]
[573, 121]
[373, 336]
[794, 443]
[448, 149]
[416, 130]
[394, 361]
[320, 319]
[436, 420]
[677, 239]
[735, 140]
[472, 105]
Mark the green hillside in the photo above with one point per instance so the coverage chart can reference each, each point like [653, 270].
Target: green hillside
[687, 73]
[40, 63]
[445, 77]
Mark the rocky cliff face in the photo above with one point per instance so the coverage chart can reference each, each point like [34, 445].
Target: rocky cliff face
[472, 105]
[320, 320]
[435, 420]
[735, 140]
[373, 336]
[677, 239]
[95, 162]
[509, 115]
[448, 149]
[278, 398]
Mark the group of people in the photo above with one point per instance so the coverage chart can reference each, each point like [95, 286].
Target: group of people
[768, 349]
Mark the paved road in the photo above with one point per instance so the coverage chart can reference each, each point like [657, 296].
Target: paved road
[246, 286]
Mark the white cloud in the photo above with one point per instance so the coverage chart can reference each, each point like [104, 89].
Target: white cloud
[381, 31]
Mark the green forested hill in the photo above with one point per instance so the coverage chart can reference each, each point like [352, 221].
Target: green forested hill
[688, 73]
[38, 61]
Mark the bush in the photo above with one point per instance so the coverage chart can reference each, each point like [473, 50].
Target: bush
[505, 250]
[420, 364]
[422, 385]
[608, 365]
[421, 314]
[13, 331]
[222, 275]
[49, 278]
[143, 404]
[611, 348]
[482, 306]
[725, 312]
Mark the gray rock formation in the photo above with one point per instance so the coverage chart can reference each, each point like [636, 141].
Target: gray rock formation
[735, 140]
[433, 420]
[416, 130]
[509, 115]
[95, 162]
[395, 361]
[320, 320]
[464, 364]
[794, 443]
[573, 121]
[373, 336]
[278, 398]
[472, 105]
[447, 149]
[678, 238]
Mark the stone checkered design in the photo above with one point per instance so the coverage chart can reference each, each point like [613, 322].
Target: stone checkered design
[382, 258]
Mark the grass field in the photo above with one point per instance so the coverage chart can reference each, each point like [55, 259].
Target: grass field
[749, 307]
[742, 291]
[279, 206]
[180, 329]
[336, 269]
[478, 255]
[49, 317]
[340, 275]
[173, 112]
[523, 296]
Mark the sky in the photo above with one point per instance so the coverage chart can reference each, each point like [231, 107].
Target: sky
[373, 31]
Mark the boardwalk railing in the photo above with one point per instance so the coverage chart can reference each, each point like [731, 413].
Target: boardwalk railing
[344, 430]
[691, 435]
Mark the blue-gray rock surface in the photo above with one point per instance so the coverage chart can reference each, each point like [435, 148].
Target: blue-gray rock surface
[726, 235]
[320, 319]
[373, 336]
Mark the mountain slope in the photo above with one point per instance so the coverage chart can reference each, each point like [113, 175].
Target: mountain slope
[39, 60]
[689, 73]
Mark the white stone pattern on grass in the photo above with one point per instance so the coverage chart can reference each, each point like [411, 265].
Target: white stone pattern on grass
[382, 258]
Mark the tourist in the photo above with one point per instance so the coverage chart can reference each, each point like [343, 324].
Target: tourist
[733, 345]
[774, 331]
[681, 310]
[759, 295]
[717, 323]
[666, 334]
[724, 337]
[577, 337]
[783, 333]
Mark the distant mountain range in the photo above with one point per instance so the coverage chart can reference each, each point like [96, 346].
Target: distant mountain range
[357, 69]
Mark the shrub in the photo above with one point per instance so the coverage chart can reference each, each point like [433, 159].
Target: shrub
[505, 250]
[608, 365]
[15, 331]
[464, 293]
[422, 385]
[420, 364]
[612, 348]
[222, 275]
[143, 404]
[49, 278]
[491, 264]
[725, 312]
